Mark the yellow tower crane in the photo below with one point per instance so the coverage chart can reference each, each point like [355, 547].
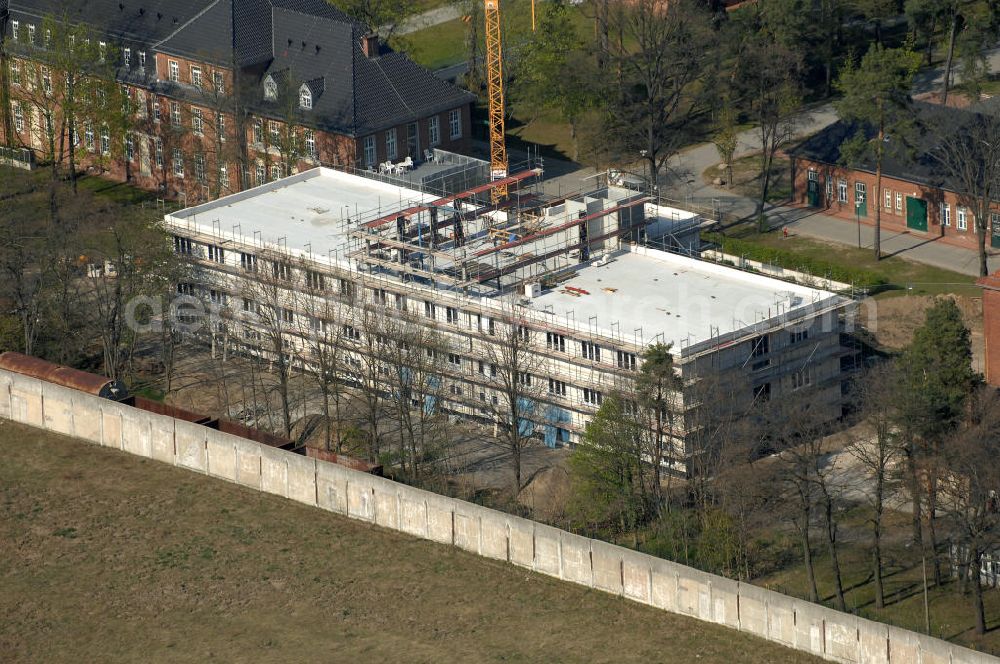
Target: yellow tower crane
[494, 87]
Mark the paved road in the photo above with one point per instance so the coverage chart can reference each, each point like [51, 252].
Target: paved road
[930, 251]
[429, 18]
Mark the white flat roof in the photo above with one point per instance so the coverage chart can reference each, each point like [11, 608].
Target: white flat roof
[315, 208]
[643, 293]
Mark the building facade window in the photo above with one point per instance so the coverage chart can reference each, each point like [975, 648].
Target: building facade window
[142, 59]
[946, 214]
[223, 176]
[261, 173]
[390, 143]
[220, 82]
[46, 80]
[899, 202]
[860, 189]
[888, 199]
[963, 218]
[156, 111]
[105, 141]
[175, 71]
[175, 114]
[15, 29]
[309, 141]
[88, 136]
[31, 34]
[592, 397]
[18, 117]
[803, 378]
[197, 121]
[305, 98]
[129, 148]
[841, 191]
[220, 127]
[626, 360]
[178, 162]
[270, 89]
[216, 254]
[275, 172]
[555, 341]
[369, 151]
[590, 351]
[557, 387]
[158, 151]
[199, 169]
[434, 130]
[258, 131]
[455, 123]
[196, 76]
[275, 133]
[127, 57]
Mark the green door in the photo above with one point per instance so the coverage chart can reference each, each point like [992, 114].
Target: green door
[860, 199]
[812, 191]
[995, 229]
[916, 214]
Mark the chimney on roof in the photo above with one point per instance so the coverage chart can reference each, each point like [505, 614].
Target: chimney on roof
[370, 45]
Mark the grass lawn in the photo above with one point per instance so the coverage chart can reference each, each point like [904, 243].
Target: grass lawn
[438, 46]
[951, 614]
[108, 557]
[902, 276]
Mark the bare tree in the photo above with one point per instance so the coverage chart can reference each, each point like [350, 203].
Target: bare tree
[969, 490]
[513, 374]
[324, 352]
[269, 306]
[660, 57]
[878, 454]
[969, 155]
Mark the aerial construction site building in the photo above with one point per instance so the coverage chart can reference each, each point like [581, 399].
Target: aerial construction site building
[573, 283]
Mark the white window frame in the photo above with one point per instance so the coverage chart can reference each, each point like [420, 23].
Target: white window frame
[888, 199]
[197, 121]
[946, 214]
[370, 154]
[142, 59]
[18, 116]
[200, 171]
[305, 98]
[175, 114]
[899, 202]
[127, 56]
[842, 191]
[434, 130]
[219, 79]
[105, 141]
[309, 141]
[196, 78]
[15, 28]
[592, 397]
[270, 89]
[455, 123]
[177, 161]
[175, 70]
[31, 34]
[391, 146]
[962, 218]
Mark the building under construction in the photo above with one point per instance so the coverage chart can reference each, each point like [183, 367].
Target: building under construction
[577, 277]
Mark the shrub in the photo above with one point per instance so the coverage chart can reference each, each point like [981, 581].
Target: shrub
[790, 260]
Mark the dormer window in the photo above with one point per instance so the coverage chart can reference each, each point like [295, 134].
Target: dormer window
[270, 89]
[305, 98]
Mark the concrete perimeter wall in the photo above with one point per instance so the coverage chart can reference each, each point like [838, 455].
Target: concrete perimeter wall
[635, 576]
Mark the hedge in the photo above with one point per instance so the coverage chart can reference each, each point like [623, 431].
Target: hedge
[790, 260]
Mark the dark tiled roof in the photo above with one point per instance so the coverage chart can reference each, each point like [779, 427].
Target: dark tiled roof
[911, 162]
[296, 41]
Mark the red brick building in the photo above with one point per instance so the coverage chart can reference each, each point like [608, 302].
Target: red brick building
[228, 94]
[915, 196]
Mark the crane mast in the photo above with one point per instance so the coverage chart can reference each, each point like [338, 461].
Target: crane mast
[494, 87]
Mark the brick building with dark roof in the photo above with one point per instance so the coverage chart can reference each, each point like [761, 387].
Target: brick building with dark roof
[916, 195]
[229, 94]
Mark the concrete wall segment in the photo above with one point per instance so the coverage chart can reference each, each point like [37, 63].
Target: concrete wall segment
[57, 408]
[575, 559]
[189, 443]
[220, 449]
[301, 478]
[273, 470]
[606, 560]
